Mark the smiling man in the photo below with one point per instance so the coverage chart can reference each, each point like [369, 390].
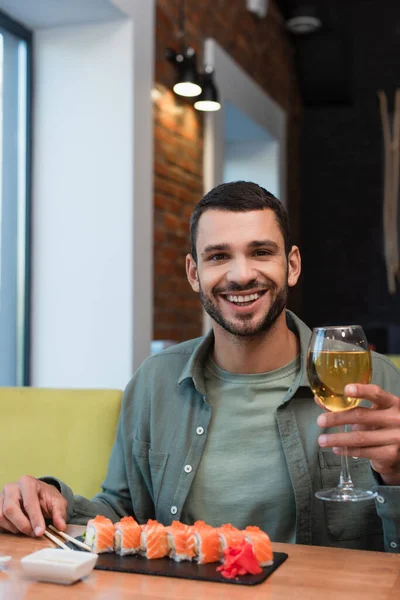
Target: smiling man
[225, 428]
[249, 274]
[242, 265]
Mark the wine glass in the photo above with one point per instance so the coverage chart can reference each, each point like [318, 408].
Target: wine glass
[338, 356]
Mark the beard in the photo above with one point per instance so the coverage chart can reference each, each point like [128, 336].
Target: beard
[246, 328]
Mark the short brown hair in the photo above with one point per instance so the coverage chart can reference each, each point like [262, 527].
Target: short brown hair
[239, 196]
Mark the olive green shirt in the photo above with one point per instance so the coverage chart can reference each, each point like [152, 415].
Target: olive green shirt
[162, 433]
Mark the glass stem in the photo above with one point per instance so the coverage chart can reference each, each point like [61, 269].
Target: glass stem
[345, 477]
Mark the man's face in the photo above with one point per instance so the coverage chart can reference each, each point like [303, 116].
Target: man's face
[242, 272]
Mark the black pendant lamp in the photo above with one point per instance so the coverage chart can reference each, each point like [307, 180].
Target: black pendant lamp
[188, 81]
[208, 100]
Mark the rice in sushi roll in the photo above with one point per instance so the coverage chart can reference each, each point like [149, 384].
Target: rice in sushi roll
[261, 545]
[100, 534]
[230, 536]
[207, 543]
[154, 540]
[127, 534]
[180, 541]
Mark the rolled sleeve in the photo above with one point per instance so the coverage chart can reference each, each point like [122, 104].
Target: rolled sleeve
[80, 509]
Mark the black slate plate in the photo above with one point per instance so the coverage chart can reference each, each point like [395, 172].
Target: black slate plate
[185, 569]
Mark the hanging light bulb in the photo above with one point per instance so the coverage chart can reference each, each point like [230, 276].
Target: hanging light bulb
[187, 83]
[303, 20]
[188, 78]
[208, 101]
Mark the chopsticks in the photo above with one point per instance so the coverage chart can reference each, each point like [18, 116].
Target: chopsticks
[66, 537]
[56, 540]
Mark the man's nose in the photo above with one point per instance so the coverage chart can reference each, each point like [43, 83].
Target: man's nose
[241, 271]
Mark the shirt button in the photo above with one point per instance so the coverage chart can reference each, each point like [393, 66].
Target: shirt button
[174, 510]
[188, 468]
[393, 545]
[200, 431]
[380, 499]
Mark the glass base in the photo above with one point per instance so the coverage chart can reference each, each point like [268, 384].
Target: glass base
[346, 494]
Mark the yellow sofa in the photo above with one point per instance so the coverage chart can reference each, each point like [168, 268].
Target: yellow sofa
[67, 433]
[396, 359]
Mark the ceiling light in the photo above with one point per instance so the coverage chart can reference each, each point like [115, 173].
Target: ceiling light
[187, 88]
[187, 83]
[303, 24]
[208, 101]
[303, 20]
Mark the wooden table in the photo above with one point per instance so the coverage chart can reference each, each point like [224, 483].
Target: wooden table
[310, 573]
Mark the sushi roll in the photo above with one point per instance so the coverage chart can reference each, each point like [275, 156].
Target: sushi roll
[153, 540]
[207, 543]
[230, 536]
[100, 534]
[127, 536]
[180, 541]
[261, 545]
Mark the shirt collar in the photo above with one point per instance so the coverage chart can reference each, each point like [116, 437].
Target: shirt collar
[303, 332]
[194, 368]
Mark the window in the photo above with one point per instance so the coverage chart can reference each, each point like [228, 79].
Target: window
[15, 102]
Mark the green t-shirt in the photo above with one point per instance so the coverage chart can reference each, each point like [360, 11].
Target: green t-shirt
[243, 477]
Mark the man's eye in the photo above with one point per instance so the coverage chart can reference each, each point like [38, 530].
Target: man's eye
[216, 257]
[262, 253]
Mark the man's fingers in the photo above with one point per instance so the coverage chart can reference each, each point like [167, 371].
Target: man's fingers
[5, 524]
[59, 514]
[382, 454]
[24, 506]
[360, 439]
[373, 393]
[30, 500]
[53, 504]
[361, 416]
[360, 428]
[12, 509]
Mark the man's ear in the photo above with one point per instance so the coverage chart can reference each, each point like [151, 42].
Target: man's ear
[191, 272]
[294, 266]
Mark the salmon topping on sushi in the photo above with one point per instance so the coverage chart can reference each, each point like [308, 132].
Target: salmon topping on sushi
[154, 540]
[207, 543]
[127, 534]
[200, 542]
[100, 534]
[181, 541]
[261, 545]
[230, 536]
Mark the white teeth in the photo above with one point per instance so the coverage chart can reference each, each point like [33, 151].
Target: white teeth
[243, 299]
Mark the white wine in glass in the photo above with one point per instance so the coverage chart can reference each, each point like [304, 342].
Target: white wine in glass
[336, 357]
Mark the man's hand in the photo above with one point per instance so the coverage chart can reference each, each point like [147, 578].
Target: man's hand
[25, 505]
[375, 431]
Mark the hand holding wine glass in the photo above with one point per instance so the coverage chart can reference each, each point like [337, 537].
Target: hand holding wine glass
[375, 434]
[339, 356]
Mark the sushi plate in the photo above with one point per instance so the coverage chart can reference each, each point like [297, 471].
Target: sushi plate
[184, 570]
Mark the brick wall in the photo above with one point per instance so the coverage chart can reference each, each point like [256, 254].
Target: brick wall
[263, 49]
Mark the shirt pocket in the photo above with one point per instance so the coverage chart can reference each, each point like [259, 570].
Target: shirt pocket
[151, 464]
[348, 521]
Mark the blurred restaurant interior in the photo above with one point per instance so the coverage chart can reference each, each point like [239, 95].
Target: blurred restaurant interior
[103, 163]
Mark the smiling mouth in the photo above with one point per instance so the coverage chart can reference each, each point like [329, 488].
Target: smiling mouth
[244, 299]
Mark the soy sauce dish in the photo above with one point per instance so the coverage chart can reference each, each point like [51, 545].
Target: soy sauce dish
[58, 566]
